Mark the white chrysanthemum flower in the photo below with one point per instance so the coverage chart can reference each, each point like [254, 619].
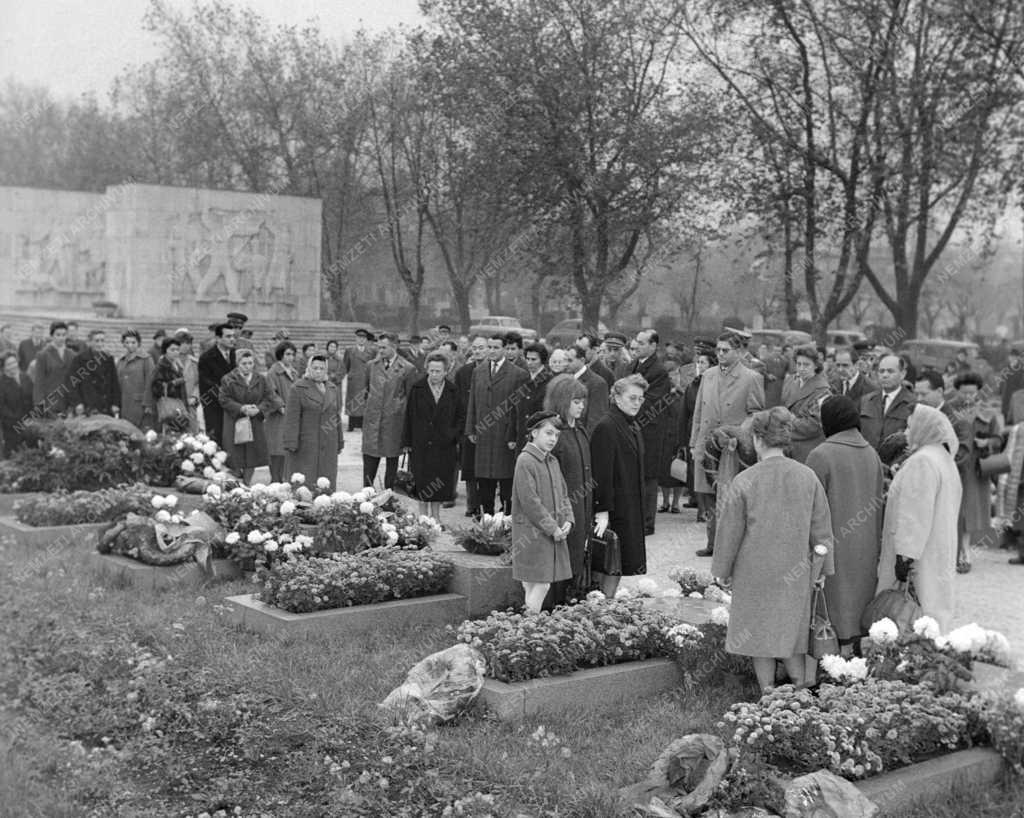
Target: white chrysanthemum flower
[323, 483]
[197, 457]
[303, 494]
[209, 472]
[176, 519]
[366, 507]
[720, 615]
[596, 596]
[255, 537]
[163, 516]
[287, 507]
[171, 500]
[232, 537]
[884, 631]
[178, 445]
[967, 638]
[298, 478]
[270, 546]
[188, 466]
[157, 501]
[210, 448]
[927, 627]
[321, 500]
[214, 491]
[392, 538]
[151, 436]
[646, 586]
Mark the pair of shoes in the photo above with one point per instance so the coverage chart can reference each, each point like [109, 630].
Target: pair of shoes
[705, 552]
[1016, 560]
[662, 509]
[674, 510]
[963, 567]
[448, 504]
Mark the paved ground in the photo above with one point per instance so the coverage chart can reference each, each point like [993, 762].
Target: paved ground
[991, 595]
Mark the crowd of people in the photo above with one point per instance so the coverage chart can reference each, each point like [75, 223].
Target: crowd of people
[892, 468]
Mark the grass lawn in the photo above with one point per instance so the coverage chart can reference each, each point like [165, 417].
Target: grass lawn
[120, 703]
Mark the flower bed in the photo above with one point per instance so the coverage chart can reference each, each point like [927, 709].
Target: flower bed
[491, 536]
[342, 580]
[71, 508]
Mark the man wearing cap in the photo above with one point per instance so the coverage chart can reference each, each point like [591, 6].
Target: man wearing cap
[654, 417]
[1014, 380]
[214, 364]
[615, 356]
[728, 394]
[243, 337]
[354, 367]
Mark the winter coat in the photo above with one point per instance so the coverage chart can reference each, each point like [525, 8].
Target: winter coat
[975, 504]
[530, 399]
[490, 416]
[573, 455]
[617, 463]
[861, 386]
[93, 382]
[776, 367]
[312, 434]
[168, 381]
[874, 426]
[280, 382]
[50, 380]
[234, 393]
[384, 409]
[804, 401]
[28, 351]
[135, 373]
[15, 408]
[724, 398]
[851, 473]
[654, 417]
[540, 505]
[213, 367]
[355, 365]
[773, 515]
[467, 454]
[432, 431]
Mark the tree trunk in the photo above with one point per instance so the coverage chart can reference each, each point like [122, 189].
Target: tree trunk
[591, 308]
[789, 292]
[461, 294]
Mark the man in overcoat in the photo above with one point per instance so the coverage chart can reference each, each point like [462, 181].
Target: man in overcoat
[49, 381]
[849, 380]
[729, 393]
[93, 384]
[886, 412]
[389, 377]
[467, 455]
[597, 387]
[214, 364]
[654, 418]
[591, 344]
[490, 424]
[354, 364]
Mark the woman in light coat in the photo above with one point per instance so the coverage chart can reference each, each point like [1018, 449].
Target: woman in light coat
[919, 534]
[135, 374]
[245, 393]
[851, 473]
[802, 394]
[280, 378]
[541, 513]
[312, 434]
[771, 519]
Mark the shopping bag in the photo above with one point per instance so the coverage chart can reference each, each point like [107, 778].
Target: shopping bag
[243, 430]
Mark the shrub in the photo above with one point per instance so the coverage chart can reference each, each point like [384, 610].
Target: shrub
[72, 508]
[341, 580]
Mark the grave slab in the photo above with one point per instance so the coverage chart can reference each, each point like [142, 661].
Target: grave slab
[486, 583]
[147, 577]
[52, 537]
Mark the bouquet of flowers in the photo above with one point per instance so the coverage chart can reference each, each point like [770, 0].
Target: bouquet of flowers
[254, 516]
[349, 523]
[490, 536]
[200, 456]
[416, 531]
[699, 584]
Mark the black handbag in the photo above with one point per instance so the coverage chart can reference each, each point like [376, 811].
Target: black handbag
[823, 641]
[605, 553]
[405, 483]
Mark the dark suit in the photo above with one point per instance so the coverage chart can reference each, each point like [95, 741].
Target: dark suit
[94, 383]
[533, 392]
[467, 456]
[877, 425]
[861, 387]
[27, 351]
[598, 367]
[212, 368]
[432, 432]
[50, 382]
[597, 399]
[654, 418]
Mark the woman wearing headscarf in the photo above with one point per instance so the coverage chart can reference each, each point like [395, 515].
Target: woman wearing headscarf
[771, 519]
[851, 473]
[245, 393]
[312, 434]
[802, 394]
[919, 533]
[280, 378]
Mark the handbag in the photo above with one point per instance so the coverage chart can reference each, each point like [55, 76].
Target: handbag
[898, 604]
[677, 469]
[605, 553]
[823, 641]
[172, 412]
[405, 483]
[243, 430]
[993, 464]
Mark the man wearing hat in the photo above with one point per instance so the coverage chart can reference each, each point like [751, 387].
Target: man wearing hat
[243, 336]
[354, 367]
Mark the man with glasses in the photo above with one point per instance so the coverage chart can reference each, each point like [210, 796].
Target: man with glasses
[849, 380]
[729, 393]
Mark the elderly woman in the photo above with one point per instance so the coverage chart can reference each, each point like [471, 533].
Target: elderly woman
[851, 473]
[312, 434]
[134, 373]
[169, 382]
[15, 403]
[280, 378]
[617, 462]
[558, 361]
[434, 419]
[541, 513]
[567, 398]
[919, 534]
[771, 519]
[802, 394]
[244, 393]
[980, 432]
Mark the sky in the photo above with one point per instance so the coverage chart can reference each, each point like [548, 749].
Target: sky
[74, 47]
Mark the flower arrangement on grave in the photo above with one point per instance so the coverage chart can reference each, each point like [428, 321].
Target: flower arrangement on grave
[200, 456]
[77, 507]
[254, 518]
[699, 584]
[491, 535]
[416, 531]
[350, 523]
[163, 536]
[342, 580]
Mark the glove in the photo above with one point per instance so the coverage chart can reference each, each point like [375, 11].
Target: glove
[903, 566]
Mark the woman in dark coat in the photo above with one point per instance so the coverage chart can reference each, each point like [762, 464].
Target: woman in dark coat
[617, 460]
[802, 394]
[312, 425]
[169, 382]
[704, 360]
[15, 403]
[671, 488]
[281, 377]
[851, 473]
[541, 514]
[245, 393]
[567, 397]
[434, 419]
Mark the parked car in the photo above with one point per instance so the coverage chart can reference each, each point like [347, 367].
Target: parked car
[935, 353]
[779, 337]
[565, 333]
[844, 338]
[492, 324]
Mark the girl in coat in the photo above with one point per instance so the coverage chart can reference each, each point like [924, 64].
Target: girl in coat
[541, 513]
[280, 378]
[567, 397]
[771, 519]
[919, 534]
[245, 393]
[312, 434]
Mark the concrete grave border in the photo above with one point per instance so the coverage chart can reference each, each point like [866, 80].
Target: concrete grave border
[77, 535]
[486, 582]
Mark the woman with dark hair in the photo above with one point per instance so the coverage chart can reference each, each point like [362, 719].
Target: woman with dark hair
[134, 373]
[617, 461]
[567, 398]
[541, 513]
[979, 431]
[245, 393]
[15, 403]
[851, 473]
[169, 382]
[769, 523]
[802, 394]
[281, 378]
[434, 420]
